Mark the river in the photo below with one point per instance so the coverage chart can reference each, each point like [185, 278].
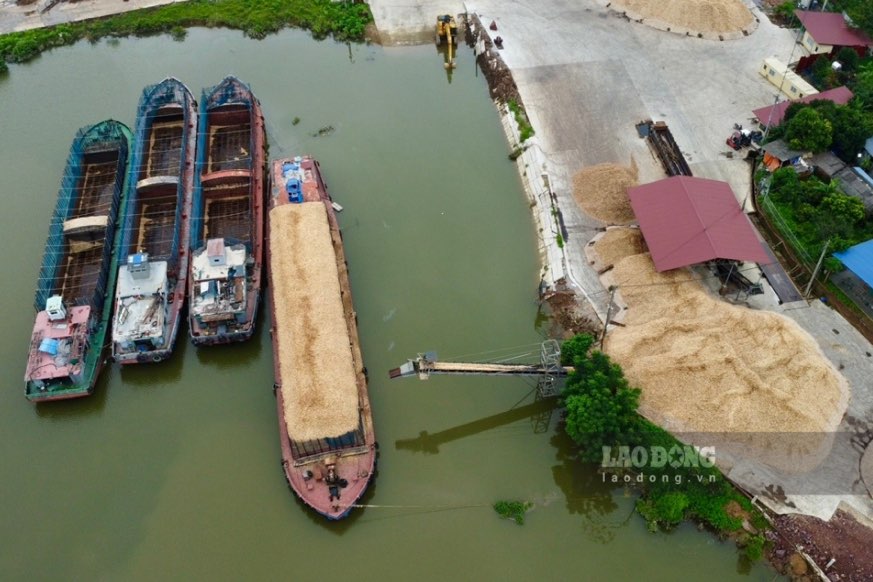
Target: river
[172, 471]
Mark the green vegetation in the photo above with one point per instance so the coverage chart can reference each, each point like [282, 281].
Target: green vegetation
[809, 131]
[601, 414]
[850, 126]
[513, 510]
[525, 130]
[4, 68]
[560, 241]
[860, 11]
[815, 212]
[601, 406]
[342, 20]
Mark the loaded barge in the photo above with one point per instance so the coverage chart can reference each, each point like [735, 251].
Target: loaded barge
[325, 423]
[154, 235]
[227, 219]
[77, 279]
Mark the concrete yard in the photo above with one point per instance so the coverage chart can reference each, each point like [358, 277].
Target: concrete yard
[587, 75]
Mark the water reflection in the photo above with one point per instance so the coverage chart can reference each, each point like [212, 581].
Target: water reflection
[585, 492]
[539, 413]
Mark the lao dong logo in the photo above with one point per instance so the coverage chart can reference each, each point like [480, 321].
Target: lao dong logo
[657, 457]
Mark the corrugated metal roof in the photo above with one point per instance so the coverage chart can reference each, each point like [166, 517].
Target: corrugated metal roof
[830, 28]
[689, 220]
[774, 114]
[859, 260]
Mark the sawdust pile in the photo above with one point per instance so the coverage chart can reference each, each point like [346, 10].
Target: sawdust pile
[601, 191]
[704, 16]
[707, 366]
[616, 244]
[314, 354]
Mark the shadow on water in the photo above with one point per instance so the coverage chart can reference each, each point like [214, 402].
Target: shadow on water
[539, 413]
[143, 375]
[78, 407]
[586, 493]
[233, 355]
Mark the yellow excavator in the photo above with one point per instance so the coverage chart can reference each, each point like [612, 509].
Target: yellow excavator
[447, 31]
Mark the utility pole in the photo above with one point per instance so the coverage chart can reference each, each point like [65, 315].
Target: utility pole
[612, 291]
[824, 251]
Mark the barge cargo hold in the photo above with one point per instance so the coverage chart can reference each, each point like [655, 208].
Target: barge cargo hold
[227, 220]
[325, 423]
[77, 279]
[152, 280]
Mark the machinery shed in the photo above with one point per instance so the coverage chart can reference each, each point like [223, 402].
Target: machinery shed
[687, 220]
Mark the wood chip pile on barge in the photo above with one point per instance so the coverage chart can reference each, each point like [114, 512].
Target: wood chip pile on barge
[325, 423]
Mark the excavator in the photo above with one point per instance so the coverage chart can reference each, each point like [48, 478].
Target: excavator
[447, 31]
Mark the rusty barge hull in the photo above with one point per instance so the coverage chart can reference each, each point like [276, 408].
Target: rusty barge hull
[159, 209]
[228, 206]
[352, 458]
[78, 270]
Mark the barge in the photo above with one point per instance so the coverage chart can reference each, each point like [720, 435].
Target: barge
[77, 279]
[152, 280]
[325, 423]
[227, 219]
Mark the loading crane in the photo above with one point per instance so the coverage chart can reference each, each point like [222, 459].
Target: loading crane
[447, 31]
[548, 370]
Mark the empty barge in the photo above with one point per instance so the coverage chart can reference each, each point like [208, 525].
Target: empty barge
[325, 423]
[152, 280]
[227, 219]
[77, 279]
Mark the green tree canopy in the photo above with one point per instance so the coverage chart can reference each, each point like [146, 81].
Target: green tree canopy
[808, 130]
[601, 406]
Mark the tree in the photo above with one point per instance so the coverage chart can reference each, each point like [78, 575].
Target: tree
[851, 128]
[809, 131]
[861, 13]
[601, 406]
[848, 58]
[864, 86]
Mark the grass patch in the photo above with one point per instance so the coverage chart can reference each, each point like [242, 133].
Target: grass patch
[342, 20]
[513, 510]
[525, 130]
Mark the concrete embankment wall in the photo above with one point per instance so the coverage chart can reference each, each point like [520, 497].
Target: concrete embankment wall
[528, 155]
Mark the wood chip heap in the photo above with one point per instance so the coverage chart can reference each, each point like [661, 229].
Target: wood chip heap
[730, 17]
[708, 366]
[601, 191]
[315, 357]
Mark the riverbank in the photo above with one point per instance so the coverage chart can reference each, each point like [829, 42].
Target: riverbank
[89, 20]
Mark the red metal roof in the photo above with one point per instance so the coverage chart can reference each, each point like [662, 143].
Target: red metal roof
[830, 28]
[689, 220]
[773, 114]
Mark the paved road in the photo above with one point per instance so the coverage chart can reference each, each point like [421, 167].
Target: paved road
[14, 18]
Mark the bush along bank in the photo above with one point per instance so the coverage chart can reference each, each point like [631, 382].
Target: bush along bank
[344, 21]
[676, 482]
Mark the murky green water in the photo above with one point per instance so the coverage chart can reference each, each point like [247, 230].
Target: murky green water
[172, 471]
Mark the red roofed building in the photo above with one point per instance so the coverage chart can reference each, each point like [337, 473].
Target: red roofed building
[828, 32]
[773, 115]
[688, 220]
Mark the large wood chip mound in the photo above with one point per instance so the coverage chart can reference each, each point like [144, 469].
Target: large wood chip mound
[709, 17]
[711, 367]
[314, 350]
[601, 191]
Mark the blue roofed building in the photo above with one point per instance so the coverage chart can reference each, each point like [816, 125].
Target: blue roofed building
[857, 280]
